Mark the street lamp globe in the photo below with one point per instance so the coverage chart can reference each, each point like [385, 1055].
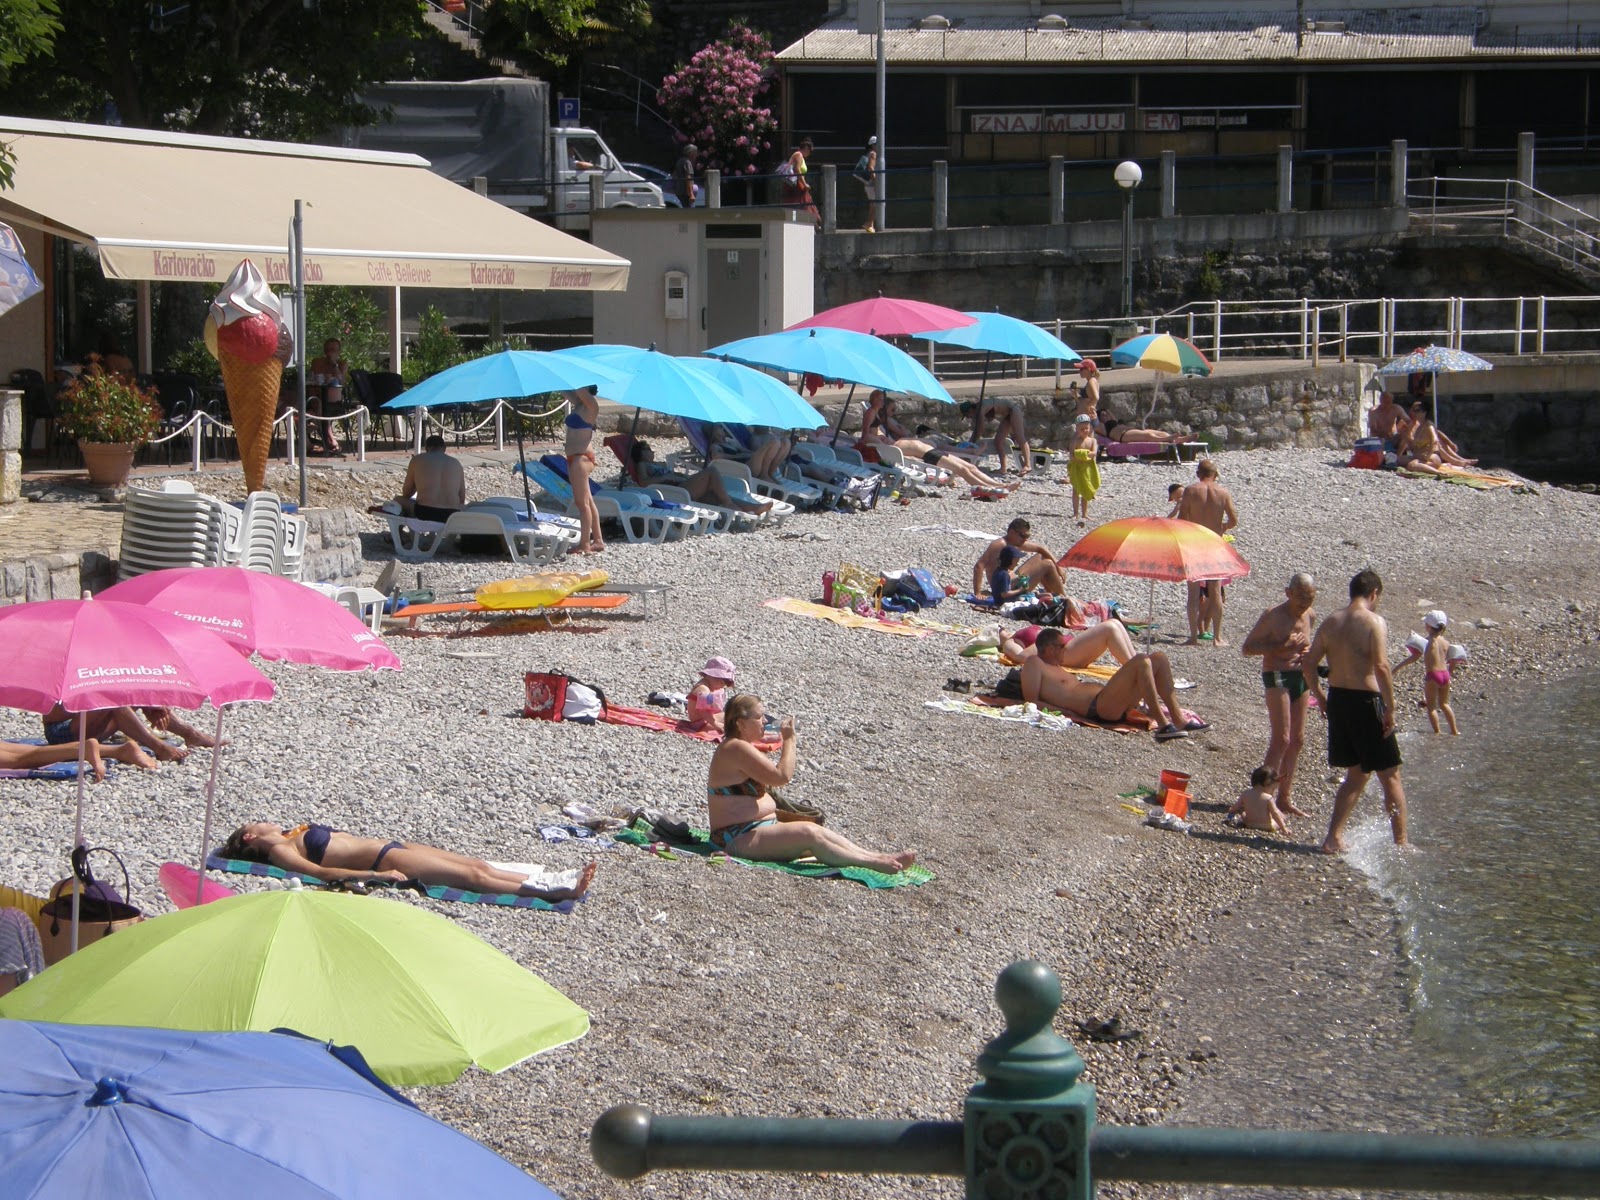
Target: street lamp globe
[1128, 175]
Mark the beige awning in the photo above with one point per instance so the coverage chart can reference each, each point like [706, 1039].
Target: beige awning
[166, 206]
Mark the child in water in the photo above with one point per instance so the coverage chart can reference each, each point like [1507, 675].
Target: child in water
[1257, 807]
[1082, 469]
[1437, 677]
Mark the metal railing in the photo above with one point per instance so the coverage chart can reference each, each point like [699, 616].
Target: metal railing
[1377, 327]
[1548, 228]
[1029, 1130]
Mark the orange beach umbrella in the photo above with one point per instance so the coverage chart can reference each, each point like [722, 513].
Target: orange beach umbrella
[1156, 548]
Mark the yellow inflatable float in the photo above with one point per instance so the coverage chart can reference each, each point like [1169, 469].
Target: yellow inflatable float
[539, 591]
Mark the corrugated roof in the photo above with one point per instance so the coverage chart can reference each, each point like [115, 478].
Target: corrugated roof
[1367, 35]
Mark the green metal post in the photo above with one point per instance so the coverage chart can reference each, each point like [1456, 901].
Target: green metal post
[1029, 1123]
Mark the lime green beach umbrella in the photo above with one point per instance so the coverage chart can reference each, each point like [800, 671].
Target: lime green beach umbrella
[420, 997]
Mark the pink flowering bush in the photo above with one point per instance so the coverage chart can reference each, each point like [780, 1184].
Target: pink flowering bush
[712, 101]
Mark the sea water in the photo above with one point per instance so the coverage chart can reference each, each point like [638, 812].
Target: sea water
[1497, 902]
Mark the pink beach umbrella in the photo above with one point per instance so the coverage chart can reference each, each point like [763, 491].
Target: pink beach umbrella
[93, 654]
[888, 317]
[263, 614]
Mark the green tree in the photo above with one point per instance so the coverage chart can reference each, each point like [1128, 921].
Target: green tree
[28, 29]
[262, 68]
[437, 348]
[351, 315]
[559, 33]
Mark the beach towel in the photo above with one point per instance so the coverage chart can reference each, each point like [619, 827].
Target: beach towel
[652, 718]
[1472, 479]
[976, 534]
[842, 616]
[699, 845]
[239, 866]
[61, 770]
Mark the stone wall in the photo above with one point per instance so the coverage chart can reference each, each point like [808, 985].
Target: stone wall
[333, 545]
[64, 576]
[1545, 436]
[1303, 407]
[11, 433]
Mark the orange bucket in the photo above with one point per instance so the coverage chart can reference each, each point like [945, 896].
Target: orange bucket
[1171, 781]
[1177, 803]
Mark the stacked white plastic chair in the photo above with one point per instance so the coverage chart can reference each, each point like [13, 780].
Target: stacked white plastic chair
[173, 527]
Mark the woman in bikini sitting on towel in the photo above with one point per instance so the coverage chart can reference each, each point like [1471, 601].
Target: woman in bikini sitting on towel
[335, 856]
[744, 818]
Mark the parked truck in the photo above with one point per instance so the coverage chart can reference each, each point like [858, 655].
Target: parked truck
[499, 130]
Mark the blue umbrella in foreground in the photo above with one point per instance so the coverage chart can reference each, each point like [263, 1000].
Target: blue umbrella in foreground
[996, 333]
[143, 1114]
[508, 375]
[781, 408]
[647, 378]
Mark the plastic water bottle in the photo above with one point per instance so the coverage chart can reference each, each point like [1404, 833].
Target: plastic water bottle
[827, 588]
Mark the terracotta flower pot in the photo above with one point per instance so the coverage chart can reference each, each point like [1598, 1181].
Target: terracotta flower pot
[108, 463]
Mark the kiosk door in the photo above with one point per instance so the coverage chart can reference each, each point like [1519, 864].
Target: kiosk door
[733, 292]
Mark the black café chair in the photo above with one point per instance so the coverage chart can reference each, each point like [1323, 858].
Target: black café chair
[178, 393]
[37, 405]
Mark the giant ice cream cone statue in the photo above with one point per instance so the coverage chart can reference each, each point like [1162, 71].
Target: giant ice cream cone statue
[245, 330]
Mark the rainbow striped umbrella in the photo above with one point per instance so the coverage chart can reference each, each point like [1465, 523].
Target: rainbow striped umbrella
[1162, 352]
[1156, 548]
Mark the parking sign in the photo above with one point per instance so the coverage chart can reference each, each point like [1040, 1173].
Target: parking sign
[567, 110]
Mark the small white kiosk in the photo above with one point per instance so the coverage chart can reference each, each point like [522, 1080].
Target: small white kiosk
[704, 276]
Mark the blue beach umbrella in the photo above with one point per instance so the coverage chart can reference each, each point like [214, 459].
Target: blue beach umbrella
[1435, 361]
[663, 384]
[508, 375]
[142, 1114]
[784, 409]
[837, 354]
[996, 333]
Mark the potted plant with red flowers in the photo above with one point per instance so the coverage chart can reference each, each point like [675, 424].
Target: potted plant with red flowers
[112, 417]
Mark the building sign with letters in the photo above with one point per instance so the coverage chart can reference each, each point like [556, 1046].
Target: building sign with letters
[1056, 122]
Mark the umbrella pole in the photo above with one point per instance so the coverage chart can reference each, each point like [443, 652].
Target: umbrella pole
[633, 432]
[851, 395]
[77, 826]
[522, 463]
[1155, 398]
[977, 417]
[1150, 626]
[205, 828]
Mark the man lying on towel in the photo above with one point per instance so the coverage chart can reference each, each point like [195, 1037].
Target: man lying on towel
[1140, 687]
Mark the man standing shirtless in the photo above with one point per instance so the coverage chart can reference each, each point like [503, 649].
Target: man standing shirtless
[1145, 680]
[435, 485]
[1281, 638]
[1206, 502]
[1359, 707]
[1040, 565]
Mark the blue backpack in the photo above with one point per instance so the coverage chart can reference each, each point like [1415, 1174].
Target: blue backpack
[919, 584]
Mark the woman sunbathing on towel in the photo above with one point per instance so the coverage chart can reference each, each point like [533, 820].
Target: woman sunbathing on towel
[334, 856]
[744, 815]
[1121, 431]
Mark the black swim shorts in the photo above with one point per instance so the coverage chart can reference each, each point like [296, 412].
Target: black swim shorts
[1355, 731]
[932, 457]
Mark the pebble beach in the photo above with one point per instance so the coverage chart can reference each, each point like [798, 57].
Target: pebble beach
[1265, 977]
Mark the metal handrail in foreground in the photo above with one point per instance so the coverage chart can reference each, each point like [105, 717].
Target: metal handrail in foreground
[1029, 1132]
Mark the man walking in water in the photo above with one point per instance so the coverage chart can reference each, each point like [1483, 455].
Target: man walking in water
[1280, 639]
[1206, 502]
[1359, 707]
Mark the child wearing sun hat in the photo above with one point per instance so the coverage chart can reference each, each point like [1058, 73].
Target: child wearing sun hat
[709, 696]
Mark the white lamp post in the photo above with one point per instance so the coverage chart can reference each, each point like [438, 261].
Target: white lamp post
[1128, 176]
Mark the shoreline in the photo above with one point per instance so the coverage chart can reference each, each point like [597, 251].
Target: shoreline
[724, 990]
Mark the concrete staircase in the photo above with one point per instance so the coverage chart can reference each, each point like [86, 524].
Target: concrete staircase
[461, 30]
[1549, 232]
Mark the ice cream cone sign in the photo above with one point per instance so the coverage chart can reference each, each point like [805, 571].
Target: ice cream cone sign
[246, 331]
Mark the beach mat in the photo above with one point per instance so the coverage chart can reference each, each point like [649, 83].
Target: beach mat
[661, 722]
[1472, 479]
[239, 866]
[61, 770]
[842, 616]
[913, 876]
[1000, 708]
